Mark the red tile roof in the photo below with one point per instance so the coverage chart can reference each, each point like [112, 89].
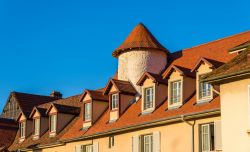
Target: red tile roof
[95, 95]
[121, 86]
[155, 77]
[139, 38]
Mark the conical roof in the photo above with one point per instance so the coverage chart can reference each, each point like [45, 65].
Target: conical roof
[139, 38]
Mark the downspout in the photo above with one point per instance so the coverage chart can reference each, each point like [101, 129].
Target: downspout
[192, 125]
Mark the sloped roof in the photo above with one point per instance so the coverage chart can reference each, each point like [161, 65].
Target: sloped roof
[238, 66]
[122, 86]
[182, 70]
[8, 130]
[212, 63]
[28, 101]
[139, 38]
[241, 46]
[95, 95]
[66, 109]
[155, 77]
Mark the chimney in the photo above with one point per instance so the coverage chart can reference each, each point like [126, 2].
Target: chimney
[56, 94]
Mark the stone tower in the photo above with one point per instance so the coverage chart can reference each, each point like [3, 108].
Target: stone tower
[140, 52]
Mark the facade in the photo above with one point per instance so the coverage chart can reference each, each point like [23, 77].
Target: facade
[157, 101]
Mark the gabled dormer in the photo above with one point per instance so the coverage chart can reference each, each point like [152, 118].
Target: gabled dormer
[40, 122]
[154, 91]
[94, 105]
[181, 85]
[121, 95]
[60, 116]
[25, 126]
[204, 90]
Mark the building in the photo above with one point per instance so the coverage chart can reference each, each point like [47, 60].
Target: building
[156, 102]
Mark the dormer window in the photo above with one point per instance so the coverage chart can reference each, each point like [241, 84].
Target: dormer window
[53, 123]
[148, 99]
[22, 129]
[87, 111]
[36, 127]
[175, 93]
[205, 91]
[115, 101]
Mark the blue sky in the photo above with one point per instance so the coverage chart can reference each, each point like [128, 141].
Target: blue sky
[63, 45]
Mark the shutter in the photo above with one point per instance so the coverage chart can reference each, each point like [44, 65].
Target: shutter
[156, 142]
[78, 148]
[135, 144]
[218, 138]
[95, 147]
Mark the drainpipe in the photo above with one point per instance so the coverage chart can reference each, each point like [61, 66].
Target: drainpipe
[192, 125]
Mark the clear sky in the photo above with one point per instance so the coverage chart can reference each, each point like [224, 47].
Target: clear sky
[64, 45]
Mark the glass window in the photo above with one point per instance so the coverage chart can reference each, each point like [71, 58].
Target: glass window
[148, 99]
[115, 101]
[53, 123]
[111, 141]
[175, 95]
[207, 137]
[87, 148]
[87, 111]
[204, 90]
[147, 143]
[36, 126]
[22, 129]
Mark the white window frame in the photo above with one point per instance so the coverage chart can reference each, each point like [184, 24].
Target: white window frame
[206, 137]
[114, 101]
[22, 129]
[87, 148]
[175, 101]
[208, 93]
[111, 141]
[53, 123]
[148, 98]
[146, 141]
[37, 126]
[87, 111]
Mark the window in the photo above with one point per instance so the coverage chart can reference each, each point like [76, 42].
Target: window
[148, 98]
[87, 112]
[53, 123]
[207, 137]
[111, 141]
[146, 143]
[22, 129]
[175, 92]
[36, 126]
[87, 148]
[205, 90]
[115, 101]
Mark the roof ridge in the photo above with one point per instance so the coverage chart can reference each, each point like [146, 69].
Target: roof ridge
[14, 92]
[213, 41]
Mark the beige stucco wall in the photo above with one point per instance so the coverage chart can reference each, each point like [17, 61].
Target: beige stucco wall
[175, 137]
[235, 116]
[132, 64]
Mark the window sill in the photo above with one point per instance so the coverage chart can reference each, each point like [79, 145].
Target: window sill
[146, 112]
[52, 134]
[174, 107]
[204, 100]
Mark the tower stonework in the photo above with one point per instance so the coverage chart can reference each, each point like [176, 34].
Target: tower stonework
[140, 53]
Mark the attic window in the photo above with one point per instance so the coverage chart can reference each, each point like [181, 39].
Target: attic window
[148, 99]
[22, 129]
[87, 111]
[115, 101]
[53, 123]
[36, 126]
[175, 93]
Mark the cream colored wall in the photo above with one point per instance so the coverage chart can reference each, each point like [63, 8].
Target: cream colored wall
[113, 89]
[22, 118]
[37, 114]
[132, 64]
[53, 110]
[235, 116]
[86, 98]
[175, 137]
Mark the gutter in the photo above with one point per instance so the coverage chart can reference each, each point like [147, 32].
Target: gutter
[150, 124]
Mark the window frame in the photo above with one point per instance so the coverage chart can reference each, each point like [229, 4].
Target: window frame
[115, 98]
[53, 124]
[87, 112]
[151, 96]
[37, 126]
[84, 148]
[111, 141]
[143, 144]
[179, 87]
[22, 129]
[210, 142]
[207, 97]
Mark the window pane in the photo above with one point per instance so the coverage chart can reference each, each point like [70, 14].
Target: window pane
[175, 92]
[53, 123]
[115, 101]
[87, 111]
[149, 97]
[37, 126]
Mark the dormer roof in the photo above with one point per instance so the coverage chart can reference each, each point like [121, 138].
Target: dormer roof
[240, 47]
[155, 77]
[182, 70]
[64, 109]
[121, 86]
[139, 38]
[212, 63]
[95, 95]
[41, 111]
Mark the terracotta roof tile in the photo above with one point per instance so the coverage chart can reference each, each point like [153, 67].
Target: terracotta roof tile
[139, 38]
[122, 86]
[155, 77]
[96, 95]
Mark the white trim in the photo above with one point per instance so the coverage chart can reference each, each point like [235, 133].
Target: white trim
[149, 110]
[180, 103]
